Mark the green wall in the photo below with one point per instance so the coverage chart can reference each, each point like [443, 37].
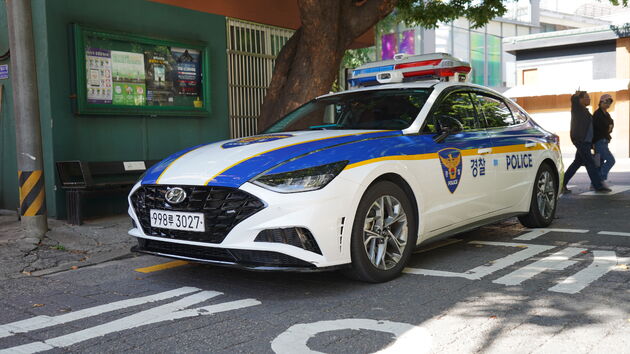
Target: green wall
[9, 198]
[90, 138]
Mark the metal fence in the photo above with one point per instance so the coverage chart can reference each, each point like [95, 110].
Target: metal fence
[252, 50]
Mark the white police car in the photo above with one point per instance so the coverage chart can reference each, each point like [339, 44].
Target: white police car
[355, 180]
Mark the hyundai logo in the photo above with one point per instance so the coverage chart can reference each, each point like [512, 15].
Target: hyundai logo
[175, 195]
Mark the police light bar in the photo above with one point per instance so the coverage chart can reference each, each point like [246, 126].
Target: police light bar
[436, 66]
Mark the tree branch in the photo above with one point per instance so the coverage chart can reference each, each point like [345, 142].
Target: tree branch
[363, 15]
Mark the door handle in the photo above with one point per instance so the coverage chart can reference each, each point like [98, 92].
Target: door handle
[530, 144]
[484, 151]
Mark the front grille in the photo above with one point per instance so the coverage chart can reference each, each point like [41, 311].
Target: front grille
[223, 208]
[242, 257]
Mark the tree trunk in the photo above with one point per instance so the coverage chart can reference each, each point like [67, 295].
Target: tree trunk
[308, 63]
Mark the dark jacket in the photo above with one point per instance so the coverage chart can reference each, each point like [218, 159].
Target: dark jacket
[602, 125]
[581, 122]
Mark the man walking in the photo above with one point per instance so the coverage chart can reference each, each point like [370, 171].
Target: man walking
[582, 138]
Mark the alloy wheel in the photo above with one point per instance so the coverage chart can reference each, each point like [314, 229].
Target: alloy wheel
[546, 194]
[385, 232]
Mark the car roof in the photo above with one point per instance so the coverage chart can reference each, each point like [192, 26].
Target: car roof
[438, 85]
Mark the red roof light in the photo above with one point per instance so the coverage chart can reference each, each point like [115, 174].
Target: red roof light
[418, 63]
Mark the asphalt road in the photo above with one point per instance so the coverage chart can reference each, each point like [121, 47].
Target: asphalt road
[500, 288]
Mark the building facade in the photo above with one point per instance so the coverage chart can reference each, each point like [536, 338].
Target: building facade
[552, 66]
[107, 137]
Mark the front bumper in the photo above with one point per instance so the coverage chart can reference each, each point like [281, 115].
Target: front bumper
[233, 258]
[327, 214]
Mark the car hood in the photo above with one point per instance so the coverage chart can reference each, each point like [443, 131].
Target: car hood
[231, 163]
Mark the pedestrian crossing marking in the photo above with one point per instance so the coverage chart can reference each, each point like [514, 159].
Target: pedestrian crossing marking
[613, 233]
[535, 233]
[615, 190]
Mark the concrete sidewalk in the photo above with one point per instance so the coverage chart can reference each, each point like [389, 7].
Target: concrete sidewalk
[64, 247]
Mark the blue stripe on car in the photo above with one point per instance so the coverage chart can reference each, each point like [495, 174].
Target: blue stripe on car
[154, 173]
[244, 171]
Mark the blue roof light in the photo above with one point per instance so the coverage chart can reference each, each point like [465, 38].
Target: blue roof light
[372, 70]
[362, 80]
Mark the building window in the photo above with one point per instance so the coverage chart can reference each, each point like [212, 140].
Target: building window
[397, 42]
[494, 60]
[530, 77]
[477, 57]
[461, 48]
[443, 38]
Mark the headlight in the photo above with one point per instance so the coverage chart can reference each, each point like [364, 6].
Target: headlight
[308, 179]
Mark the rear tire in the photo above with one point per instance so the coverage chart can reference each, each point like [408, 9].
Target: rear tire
[384, 234]
[544, 199]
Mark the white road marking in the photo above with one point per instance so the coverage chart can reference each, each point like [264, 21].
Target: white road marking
[615, 190]
[40, 322]
[557, 261]
[167, 312]
[535, 233]
[409, 338]
[613, 233]
[484, 270]
[603, 262]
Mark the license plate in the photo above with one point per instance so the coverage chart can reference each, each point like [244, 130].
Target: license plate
[177, 220]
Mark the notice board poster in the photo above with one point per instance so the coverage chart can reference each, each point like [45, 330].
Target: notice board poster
[129, 79]
[99, 75]
[127, 74]
[187, 71]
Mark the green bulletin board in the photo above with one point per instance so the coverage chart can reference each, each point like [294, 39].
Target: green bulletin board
[126, 74]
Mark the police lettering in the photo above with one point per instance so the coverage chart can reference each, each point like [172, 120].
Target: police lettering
[518, 161]
[478, 167]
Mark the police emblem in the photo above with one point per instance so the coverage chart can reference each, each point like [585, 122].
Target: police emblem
[254, 140]
[451, 161]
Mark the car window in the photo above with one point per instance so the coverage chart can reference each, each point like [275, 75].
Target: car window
[374, 109]
[519, 115]
[457, 105]
[495, 111]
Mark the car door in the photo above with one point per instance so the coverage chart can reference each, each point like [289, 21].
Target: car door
[515, 149]
[458, 190]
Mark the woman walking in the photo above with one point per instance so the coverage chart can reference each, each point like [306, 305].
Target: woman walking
[602, 127]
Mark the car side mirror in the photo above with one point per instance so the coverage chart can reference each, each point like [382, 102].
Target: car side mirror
[448, 126]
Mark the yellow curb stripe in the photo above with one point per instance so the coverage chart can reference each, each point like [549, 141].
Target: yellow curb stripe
[36, 205]
[162, 266]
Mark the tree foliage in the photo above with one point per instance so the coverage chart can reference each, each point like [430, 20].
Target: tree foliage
[428, 13]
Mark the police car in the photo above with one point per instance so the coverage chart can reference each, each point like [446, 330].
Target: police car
[355, 180]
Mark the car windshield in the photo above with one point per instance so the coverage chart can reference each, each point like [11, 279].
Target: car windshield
[377, 109]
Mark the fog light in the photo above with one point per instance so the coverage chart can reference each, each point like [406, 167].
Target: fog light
[294, 236]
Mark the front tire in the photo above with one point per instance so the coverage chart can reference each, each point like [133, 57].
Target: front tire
[542, 208]
[384, 234]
